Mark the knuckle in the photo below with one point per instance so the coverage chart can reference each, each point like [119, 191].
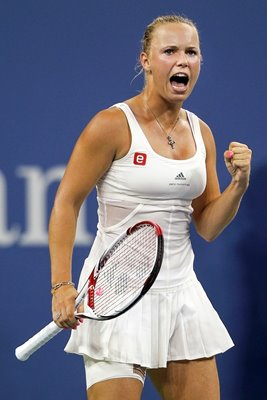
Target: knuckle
[70, 315]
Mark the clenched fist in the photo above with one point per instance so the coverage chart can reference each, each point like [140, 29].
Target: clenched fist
[238, 162]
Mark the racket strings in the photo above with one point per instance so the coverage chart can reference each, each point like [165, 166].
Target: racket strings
[130, 255]
[131, 258]
[126, 271]
[120, 293]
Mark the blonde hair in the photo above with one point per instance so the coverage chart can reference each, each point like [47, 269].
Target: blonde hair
[165, 19]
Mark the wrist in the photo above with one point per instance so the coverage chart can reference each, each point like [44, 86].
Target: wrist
[237, 187]
[58, 285]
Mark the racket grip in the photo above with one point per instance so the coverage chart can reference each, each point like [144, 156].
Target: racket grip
[24, 351]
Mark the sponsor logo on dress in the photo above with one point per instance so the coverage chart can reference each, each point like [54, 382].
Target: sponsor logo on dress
[179, 180]
[180, 177]
[140, 158]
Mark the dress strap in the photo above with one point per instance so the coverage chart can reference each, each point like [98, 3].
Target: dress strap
[136, 131]
[195, 128]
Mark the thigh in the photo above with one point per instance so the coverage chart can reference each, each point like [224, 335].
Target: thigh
[108, 380]
[187, 380]
[116, 388]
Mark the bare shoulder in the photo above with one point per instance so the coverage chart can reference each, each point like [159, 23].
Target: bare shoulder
[107, 123]
[96, 148]
[107, 130]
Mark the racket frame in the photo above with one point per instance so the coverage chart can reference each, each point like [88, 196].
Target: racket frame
[101, 264]
[24, 351]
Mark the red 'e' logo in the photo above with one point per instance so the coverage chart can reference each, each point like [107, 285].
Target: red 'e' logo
[139, 159]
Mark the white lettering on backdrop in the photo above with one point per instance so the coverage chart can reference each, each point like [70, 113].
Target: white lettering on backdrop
[37, 183]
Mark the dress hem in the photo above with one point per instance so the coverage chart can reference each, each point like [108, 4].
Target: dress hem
[82, 353]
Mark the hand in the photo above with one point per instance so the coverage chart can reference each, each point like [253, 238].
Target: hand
[238, 162]
[63, 307]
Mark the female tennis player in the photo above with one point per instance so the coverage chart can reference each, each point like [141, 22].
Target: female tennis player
[150, 159]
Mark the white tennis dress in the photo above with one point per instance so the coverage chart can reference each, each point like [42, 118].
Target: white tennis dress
[175, 320]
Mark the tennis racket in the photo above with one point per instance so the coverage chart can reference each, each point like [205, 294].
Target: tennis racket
[122, 276]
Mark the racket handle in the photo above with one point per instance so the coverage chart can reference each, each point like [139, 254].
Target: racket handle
[24, 351]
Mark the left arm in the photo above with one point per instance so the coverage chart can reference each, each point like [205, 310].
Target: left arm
[214, 210]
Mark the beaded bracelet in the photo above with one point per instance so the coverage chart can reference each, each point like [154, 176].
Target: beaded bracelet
[59, 284]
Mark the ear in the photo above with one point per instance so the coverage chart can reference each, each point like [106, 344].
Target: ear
[144, 61]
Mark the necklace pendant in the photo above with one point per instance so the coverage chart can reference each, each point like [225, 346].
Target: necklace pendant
[171, 142]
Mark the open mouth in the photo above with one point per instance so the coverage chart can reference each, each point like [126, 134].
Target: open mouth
[179, 79]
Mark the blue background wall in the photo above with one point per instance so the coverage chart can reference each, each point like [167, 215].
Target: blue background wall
[62, 61]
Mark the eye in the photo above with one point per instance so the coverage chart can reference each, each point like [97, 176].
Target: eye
[169, 51]
[192, 52]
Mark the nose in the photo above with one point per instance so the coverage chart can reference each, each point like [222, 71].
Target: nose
[182, 60]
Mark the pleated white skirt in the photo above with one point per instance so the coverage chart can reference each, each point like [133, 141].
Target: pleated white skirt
[177, 323]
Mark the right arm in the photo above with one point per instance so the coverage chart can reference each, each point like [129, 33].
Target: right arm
[102, 141]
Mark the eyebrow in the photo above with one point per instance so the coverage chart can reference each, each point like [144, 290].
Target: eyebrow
[174, 46]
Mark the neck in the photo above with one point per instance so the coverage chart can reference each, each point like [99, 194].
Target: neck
[167, 124]
[163, 109]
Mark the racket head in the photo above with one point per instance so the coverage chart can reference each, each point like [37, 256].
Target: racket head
[126, 271]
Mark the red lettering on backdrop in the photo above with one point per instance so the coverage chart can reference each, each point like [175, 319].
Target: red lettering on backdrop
[139, 159]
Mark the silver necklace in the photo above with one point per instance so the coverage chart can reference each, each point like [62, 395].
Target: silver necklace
[170, 140]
